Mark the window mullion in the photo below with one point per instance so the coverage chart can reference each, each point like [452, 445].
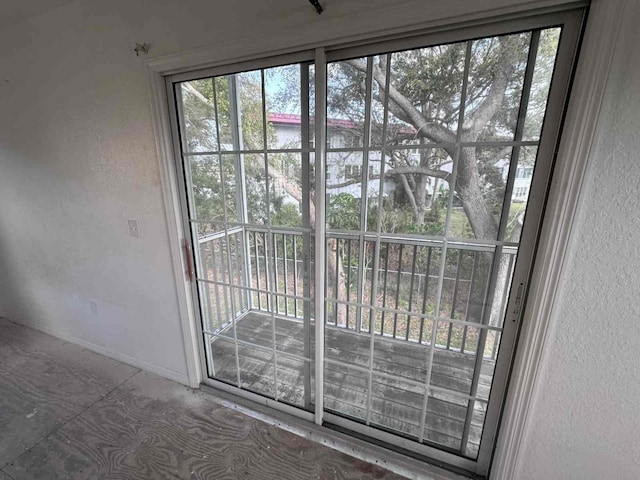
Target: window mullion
[364, 198]
[320, 225]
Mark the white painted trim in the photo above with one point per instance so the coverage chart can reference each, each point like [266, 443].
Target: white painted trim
[171, 199]
[364, 25]
[115, 355]
[564, 198]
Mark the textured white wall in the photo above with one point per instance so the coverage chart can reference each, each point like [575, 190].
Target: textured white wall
[585, 422]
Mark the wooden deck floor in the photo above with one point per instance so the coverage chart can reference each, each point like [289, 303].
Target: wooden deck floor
[396, 403]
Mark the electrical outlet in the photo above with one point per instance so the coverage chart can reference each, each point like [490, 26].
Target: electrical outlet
[133, 228]
[94, 307]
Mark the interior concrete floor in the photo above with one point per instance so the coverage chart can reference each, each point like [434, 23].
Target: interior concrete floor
[66, 412]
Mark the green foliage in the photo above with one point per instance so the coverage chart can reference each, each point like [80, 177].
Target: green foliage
[343, 212]
[209, 126]
[430, 79]
[286, 215]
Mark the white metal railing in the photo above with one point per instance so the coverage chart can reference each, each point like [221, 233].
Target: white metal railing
[266, 271]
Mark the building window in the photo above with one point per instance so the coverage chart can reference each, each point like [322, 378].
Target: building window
[352, 172]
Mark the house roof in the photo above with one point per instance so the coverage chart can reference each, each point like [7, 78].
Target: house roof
[295, 119]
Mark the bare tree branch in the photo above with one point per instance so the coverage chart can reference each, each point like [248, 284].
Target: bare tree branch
[411, 115]
[477, 119]
[353, 181]
[409, 192]
[419, 170]
[191, 89]
[392, 172]
[293, 190]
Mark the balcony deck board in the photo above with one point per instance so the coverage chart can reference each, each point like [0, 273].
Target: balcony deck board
[396, 404]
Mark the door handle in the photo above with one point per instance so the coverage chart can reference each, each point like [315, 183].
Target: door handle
[189, 255]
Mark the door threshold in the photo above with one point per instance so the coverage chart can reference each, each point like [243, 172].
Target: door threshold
[358, 448]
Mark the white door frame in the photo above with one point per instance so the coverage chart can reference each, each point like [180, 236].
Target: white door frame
[571, 165]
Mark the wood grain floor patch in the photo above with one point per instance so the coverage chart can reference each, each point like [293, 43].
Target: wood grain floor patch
[145, 428]
[178, 433]
[4, 476]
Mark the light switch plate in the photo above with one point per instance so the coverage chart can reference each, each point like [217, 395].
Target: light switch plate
[133, 228]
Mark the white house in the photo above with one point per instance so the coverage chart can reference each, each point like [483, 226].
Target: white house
[344, 167]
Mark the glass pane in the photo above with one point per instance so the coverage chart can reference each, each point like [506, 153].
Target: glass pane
[291, 337]
[222, 355]
[213, 188]
[239, 108]
[496, 77]
[407, 282]
[350, 249]
[198, 116]
[374, 177]
[256, 370]
[470, 291]
[475, 429]
[521, 189]
[445, 419]
[417, 295]
[346, 103]
[254, 328]
[248, 110]
[282, 91]
[343, 283]
[346, 390]
[344, 189]
[429, 81]
[286, 281]
[416, 191]
[465, 284]
[541, 81]
[396, 405]
[402, 360]
[226, 127]
[377, 104]
[292, 385]
[258, 264]
[346, 345]
[471, 218]
[215, 268]
[491, 346]
[453, 370]
[230, 169]
[210, 307]
[255, 180]
[207, 188]
[252, 280]
[285, 189]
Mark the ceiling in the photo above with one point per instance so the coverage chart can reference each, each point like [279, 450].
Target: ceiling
[16, 11]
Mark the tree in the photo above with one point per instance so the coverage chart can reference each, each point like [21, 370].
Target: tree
[422, 91]
[424, 107]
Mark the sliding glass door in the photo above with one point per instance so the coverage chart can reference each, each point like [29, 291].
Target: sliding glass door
[437, 152]
[245, 156]
[430, 154]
